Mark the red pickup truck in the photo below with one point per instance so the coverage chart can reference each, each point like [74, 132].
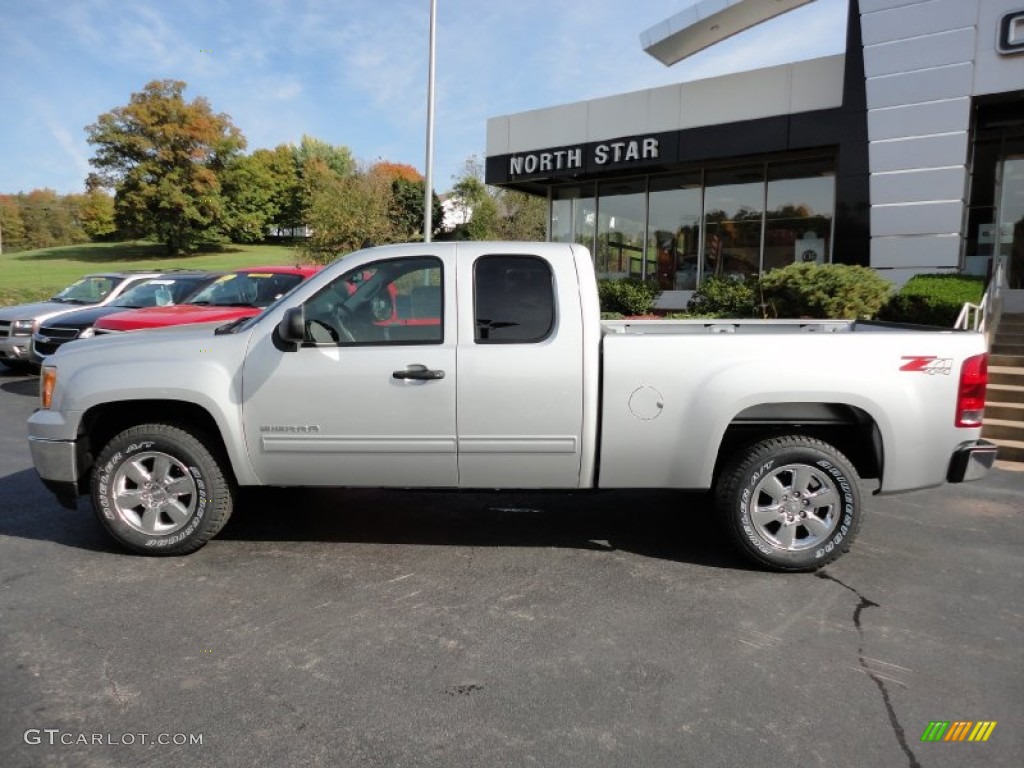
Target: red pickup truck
[233, 296]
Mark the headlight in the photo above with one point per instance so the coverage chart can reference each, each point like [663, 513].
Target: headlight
[23, 327]
[88, 333]
[47, 383]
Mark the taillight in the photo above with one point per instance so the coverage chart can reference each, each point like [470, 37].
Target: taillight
[970, 398]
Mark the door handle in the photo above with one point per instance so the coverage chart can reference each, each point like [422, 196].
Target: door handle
[418, 374]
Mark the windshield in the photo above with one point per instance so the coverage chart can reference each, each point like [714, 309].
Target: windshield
[88, 290]
[248, 322]
[246, 289]
[160, 292]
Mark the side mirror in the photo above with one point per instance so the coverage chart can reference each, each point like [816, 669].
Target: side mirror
[292, 328]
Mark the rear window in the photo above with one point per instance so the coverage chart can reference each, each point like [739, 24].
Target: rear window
[513, 300]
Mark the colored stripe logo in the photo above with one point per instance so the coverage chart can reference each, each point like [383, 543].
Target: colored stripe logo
[958, 730]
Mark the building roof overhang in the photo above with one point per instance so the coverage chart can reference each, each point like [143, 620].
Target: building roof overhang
[706, 23]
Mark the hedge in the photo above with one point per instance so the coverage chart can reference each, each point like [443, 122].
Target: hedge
[933, 299]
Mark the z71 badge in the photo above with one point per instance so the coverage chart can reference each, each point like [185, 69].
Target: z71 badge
[927, 364]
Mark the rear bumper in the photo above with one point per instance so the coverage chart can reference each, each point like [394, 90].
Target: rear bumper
[971, 461]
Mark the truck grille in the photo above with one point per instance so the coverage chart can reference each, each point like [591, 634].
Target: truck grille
[50, 338]
[5, 329]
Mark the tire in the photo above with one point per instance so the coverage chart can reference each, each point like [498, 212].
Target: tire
[790, 503]
[159, 491]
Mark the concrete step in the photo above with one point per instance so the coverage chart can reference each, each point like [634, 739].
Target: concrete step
[1006, 361]
[1001, 348]
[1004, 411]
[999, 374]
[1010, 450]
[1002, 429]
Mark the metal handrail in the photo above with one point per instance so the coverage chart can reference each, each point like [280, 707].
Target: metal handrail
[984, 317]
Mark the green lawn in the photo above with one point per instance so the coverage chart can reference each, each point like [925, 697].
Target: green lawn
[32, 275]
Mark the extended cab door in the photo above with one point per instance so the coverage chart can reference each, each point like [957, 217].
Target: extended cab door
[520, 367]
[368, 398]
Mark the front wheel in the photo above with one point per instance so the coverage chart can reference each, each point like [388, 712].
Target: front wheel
[159, 491]
[790, 503]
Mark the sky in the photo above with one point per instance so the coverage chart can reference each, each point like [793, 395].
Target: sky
[351, 72]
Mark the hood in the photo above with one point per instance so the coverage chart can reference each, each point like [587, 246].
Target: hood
[140, 344]
[82, 318]
[38, 310]
[180, 314]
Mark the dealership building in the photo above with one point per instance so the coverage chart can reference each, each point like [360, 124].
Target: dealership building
[905, 153]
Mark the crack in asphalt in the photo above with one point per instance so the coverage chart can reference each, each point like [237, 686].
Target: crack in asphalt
[894, 721]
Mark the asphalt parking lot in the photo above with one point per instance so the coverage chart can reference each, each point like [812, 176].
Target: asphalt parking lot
[372, 628]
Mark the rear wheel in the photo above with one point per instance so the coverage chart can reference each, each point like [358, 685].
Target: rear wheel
[158, 490]
[790, 503]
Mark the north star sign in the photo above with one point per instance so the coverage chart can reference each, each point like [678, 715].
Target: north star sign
[618, 152]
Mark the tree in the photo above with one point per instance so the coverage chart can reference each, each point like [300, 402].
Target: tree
[163, 156]
[337, 158]
[491, 213]
[254, 196]
[12, 228]
[94, 213]
[344, 212]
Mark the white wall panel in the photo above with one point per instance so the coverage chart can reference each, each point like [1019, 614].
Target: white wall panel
[919, 119]
[923, 52]
[548, 127]
[917, 19]
[497, 136]
[624, 115]
[924, 152]
[916, 219]
[915, 251]
[924, 85]
[817, 84]
[870, 6]
[761, 93]
[995, 74]
[919, 186]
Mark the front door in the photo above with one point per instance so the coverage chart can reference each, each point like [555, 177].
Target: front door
[369, 398]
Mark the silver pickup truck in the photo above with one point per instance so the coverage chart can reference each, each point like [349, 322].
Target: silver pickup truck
[486, 365]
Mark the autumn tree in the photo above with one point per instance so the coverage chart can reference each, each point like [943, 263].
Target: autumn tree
[344, 212]
[164, 157]
[492, 213]
[94, 213]
[12, 228]
[408, 189]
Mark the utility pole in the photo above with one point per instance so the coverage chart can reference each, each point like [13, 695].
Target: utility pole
[428, 197]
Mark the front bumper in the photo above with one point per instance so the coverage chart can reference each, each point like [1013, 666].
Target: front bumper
[56, 461]
[971, 460]
[15, 347]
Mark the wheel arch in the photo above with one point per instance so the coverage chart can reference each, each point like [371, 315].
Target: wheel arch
[850, 429]
[100, 423]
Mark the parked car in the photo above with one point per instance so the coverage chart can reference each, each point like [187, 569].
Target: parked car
[18, 323]
[166, 290]
[232, 296]
[486, 365]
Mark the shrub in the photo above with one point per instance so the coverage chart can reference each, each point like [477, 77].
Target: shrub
[933, 299]
[825, 291]
[725, 297]
[629, 297]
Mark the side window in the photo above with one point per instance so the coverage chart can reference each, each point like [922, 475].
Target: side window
[513, 300]
[395, 301]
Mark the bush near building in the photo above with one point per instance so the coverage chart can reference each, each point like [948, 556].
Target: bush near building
[933, 299]
[726, 297]
[824, 291]
[627, 297]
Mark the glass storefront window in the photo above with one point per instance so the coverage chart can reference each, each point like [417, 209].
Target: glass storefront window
[1010, 233]
[573, 215]
[733, 207]
[798, 217]
[673, 231]
[621, 221]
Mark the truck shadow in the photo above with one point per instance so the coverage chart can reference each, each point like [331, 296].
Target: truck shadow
[670, 525]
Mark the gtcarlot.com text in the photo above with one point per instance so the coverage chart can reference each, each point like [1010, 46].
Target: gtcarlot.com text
[56, 737]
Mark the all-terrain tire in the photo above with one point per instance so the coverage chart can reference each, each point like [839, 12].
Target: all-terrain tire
[159, 491]
[790, 503]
